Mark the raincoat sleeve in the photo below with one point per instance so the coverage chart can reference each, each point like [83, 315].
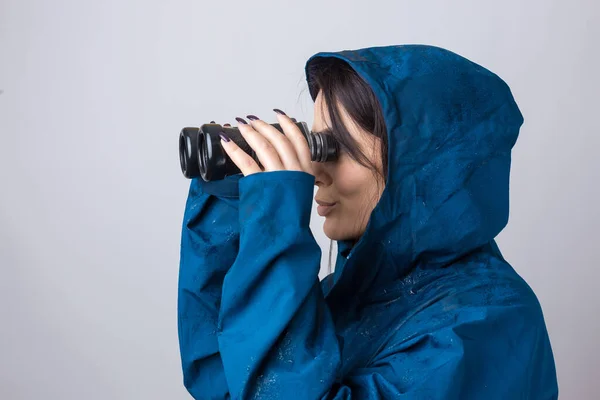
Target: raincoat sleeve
[209, 244]
[277, 338]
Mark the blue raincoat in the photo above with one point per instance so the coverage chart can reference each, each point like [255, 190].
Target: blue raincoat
[424, 306]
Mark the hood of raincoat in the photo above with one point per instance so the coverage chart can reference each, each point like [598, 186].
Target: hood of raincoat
[451, 125]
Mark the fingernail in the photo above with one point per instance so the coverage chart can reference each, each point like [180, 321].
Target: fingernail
[227, 125]
[241, 120]
[212, 122]
[252, 117]
[294, 119]
[224, 136]
[278, 111]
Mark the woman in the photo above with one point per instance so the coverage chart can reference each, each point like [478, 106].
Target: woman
[421, 305]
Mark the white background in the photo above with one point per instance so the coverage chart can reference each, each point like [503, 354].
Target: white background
[92, 197]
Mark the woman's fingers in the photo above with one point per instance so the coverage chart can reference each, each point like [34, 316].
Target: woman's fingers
[297, 140]
[243, 160]
[285, 150]
[274, 150]
[266, 153]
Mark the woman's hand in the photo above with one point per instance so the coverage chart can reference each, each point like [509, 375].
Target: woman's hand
[275, 151]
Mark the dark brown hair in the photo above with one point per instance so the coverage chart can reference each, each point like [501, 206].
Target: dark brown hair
[340, 84]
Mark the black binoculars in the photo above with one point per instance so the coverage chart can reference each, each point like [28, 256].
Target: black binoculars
[201, 153]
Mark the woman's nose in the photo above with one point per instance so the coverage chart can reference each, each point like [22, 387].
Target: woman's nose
[322, 177]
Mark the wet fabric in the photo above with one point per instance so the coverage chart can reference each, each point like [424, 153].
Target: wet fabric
[424, 306]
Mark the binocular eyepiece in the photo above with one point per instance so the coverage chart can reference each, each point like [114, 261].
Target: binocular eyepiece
[201, 153]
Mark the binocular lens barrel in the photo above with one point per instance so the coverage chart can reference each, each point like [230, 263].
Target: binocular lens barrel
[201, 153]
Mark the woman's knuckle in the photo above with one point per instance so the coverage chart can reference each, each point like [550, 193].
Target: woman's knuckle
[248, 163]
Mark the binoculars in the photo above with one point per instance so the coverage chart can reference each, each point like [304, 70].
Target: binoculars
[202, 155]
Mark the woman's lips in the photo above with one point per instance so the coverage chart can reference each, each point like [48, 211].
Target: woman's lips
[323, 210]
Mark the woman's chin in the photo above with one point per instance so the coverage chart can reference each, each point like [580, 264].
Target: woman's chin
[329, 229]
[332, 231]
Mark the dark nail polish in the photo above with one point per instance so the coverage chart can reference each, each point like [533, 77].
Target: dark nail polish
[241, 120]
[294, 119]
[212, 122]
[224, 136]
[252, 117]
[278, 111]
[227, 125]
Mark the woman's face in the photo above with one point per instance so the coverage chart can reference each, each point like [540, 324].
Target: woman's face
[352, 187]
